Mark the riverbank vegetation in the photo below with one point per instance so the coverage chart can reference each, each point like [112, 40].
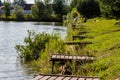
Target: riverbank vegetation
[105, 47]
[105, 37]
[55, 10]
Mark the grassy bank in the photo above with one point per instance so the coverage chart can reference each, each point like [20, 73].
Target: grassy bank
[105, 47]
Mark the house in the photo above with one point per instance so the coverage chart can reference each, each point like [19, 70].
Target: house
[27, 8]
[1, 7]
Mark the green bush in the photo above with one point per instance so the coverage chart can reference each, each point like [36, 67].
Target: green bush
[36, 44]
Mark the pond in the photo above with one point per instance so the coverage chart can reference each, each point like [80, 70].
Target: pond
[13, 33]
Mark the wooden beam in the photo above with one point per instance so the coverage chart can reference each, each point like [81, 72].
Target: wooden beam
[80, 37]
[82, 32]
[53, 62]
[70, 58]
[77, 43]
[66, 77]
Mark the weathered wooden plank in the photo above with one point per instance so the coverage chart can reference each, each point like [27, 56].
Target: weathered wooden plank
[45, 78]
[82, 32]
[96, 79]
[89, 78]
[77, 43]
[52, 78]
[67, 78]
[74, 78]
[59, 78]
[58, 56]
[54, 56]
[66, 57]
[62, 56]
[74, 57]
[81, 78]
[38, 77]
[64, 77]
[70, 57]
[78, 36]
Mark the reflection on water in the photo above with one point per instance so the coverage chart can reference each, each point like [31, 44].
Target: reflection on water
[13, 33]
[48, 23]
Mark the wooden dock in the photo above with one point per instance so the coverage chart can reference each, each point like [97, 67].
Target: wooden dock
[82, 32]
[77, 43]
[70, 58]
[78, 28]
[74, 25]
[58, 57]
[64, 77]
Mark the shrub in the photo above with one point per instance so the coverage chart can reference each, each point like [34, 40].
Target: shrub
[36, 44]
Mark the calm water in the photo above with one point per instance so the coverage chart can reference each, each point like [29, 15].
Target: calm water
[13, 33]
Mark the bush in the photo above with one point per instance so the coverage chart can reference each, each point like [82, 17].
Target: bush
[36, 44]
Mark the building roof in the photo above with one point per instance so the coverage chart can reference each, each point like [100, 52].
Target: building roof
[64, 77]
[28, 6]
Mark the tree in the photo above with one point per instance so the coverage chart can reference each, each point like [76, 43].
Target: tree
[6, 8]
[18, 11]
[19, 2]
[110, 8]
[74, 3]
[48, 8]
[38, 10]
[58, 7]
[89, 8]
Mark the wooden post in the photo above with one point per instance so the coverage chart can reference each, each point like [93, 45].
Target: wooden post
[53, 62]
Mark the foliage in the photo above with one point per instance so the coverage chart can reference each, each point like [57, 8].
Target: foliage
[38, 10]
[106, 47]
[74, 3]
[89, 8]
[71, 16]
[18, 11]
[41, 11]
[59, 7]
[7, 8]
[110, 8]
[19, 2]
[36, 44]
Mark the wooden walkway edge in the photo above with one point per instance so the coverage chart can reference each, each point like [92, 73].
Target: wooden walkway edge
[64, 77]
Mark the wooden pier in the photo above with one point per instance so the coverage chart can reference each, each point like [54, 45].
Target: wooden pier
[70, 58]
[77, 43]
[60, 57]
[64, 77]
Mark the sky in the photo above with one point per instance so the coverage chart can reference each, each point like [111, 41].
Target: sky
[28, 1]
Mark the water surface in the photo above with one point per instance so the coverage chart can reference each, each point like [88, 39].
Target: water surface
[13, 33]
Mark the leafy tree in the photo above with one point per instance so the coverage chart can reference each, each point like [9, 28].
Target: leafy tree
[74, 3]
[19, 2]
[6, 8]
[89, 8]
[38, 10]
[48, 8]
[18, 11]
[58, 7]
[110, 8]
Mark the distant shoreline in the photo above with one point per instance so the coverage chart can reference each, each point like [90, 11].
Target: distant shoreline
[32, 20]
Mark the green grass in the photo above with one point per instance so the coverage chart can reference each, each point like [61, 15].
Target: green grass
[105, 47]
